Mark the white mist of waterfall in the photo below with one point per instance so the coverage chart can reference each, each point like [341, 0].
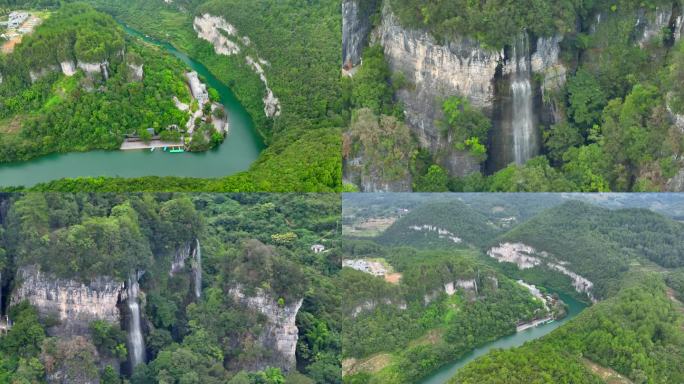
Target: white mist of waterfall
[135, 337]
[198, 270]
[522, 103]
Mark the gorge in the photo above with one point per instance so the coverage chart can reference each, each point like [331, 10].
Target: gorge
[239, 150]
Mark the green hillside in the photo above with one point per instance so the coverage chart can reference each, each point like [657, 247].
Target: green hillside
[636, 333]
[456, 217]
[599, 243]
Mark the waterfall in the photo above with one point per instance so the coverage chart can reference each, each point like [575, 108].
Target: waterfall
[522, 119]
[135, 338]
[105, 72]
[197, 269]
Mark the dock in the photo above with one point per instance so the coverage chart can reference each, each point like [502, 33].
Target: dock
[152, 144]
[533, 324]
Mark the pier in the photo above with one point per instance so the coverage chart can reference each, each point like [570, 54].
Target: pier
[532, 324]
[129, 144]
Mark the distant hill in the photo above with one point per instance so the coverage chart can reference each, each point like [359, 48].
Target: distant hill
[600, 243]
[444, 224]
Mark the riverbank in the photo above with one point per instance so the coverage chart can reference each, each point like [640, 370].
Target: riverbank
[239, 150]
[129, 145]
[442, 375]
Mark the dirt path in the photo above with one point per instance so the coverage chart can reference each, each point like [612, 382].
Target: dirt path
[608, 375]
[370, 364]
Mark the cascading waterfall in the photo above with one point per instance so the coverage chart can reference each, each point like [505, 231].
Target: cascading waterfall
[135, 337]
[105, 71]
[522, 119]
[197, 269]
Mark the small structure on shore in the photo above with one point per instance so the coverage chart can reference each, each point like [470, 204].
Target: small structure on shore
[318, 248]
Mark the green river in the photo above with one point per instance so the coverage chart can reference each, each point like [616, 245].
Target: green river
[448, 371]
[241, 147]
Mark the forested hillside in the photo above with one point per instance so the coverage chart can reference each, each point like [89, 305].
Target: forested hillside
[70, 86]
[636, 333]
[221, 278]
[299, 43]
[600, 243]
[624, 261]
[460, 225]
[398, 333]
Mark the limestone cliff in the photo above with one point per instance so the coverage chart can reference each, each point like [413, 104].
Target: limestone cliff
[68, 67]
[73, 304]
[225, 39]
[356, 27]
[280, 332]
[461, 67]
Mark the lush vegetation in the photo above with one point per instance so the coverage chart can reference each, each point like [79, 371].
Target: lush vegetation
[635, 333]
[378, 148]
[472, 227]
[416, 322]
[600, 244]
[43, 111]
[616, 117]
[257, 242]
[402, 331]
[385, 144]
[300, 40]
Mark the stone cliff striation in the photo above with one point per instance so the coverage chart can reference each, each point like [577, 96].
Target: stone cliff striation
[461, 66]
[226, 41]
[280, 332]
[73, 304]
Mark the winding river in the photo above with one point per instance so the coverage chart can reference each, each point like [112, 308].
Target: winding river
[238, 151]
[448, 371]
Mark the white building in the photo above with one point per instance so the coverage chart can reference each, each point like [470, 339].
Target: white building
[318, 248]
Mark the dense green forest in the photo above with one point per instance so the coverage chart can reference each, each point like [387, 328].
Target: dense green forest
[636, 333]
[418, 336]
[300, 41]
[615, 124]
[472, 227]
[601, 243]
[630, 251]
[258, 242]
[58, 113]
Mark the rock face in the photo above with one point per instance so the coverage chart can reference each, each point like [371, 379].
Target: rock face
[271, 103]
[462, 67]
[95, 68]
[198, 89]
[137, 72]
[526, 257]
[280, 333]
[209, 28]
[68, 67]
[74, 304]
[37, 74]
[356, 27]
[370, 179]
[214, 30]
[435, 72]
[651, 26]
